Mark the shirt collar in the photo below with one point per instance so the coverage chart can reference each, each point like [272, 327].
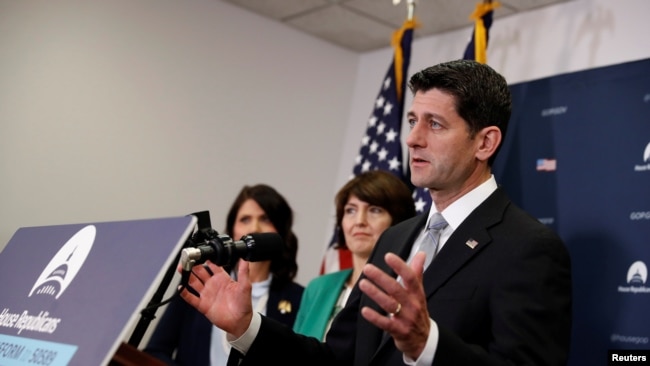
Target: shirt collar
[458, 211]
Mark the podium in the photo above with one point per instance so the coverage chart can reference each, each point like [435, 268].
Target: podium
[71, 293]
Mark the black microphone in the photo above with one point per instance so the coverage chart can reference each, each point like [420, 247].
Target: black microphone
[223, 251]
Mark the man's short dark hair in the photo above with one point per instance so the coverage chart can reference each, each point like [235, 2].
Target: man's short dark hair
[482, 95]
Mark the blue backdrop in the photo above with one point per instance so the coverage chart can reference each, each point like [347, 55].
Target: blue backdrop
[577, 156]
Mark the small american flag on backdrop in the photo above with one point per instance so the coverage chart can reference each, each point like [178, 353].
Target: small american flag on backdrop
[546, 165]
[381, 145]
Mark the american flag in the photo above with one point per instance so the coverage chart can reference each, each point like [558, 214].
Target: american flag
[546, 165]
[381, 145]
[475, 50]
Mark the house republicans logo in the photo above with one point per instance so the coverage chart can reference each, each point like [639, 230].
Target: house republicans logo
[637, 276]
[646, 161]
[65, 265]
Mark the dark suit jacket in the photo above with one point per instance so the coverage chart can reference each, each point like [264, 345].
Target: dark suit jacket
[184, 329]
[507, 301]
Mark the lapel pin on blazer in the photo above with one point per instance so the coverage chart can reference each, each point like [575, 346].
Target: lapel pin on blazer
[471, 243]
[284, 306]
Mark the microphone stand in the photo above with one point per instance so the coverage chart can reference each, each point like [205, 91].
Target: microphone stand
[149, 312]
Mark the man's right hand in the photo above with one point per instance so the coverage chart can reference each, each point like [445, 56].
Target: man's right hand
[224, 301]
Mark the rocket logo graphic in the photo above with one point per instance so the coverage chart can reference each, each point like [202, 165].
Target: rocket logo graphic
[65, 265]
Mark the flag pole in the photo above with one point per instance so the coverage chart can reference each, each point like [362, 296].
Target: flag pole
[410, 6]
[409, 23]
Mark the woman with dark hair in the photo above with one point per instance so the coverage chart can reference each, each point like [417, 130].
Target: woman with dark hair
[365, 207]
[261, 209]
[186, 337]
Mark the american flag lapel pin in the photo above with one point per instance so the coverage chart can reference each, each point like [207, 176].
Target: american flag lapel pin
[471, 243]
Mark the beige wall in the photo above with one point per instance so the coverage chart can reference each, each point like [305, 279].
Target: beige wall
[118, 110]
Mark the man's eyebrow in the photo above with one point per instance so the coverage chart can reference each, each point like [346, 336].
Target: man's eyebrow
[427, 115]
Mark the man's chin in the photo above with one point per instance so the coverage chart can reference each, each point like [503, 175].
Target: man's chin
[418, 182]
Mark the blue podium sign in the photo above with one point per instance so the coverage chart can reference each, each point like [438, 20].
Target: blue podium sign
[70, 293]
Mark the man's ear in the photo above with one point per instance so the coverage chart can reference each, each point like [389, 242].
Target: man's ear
[489, 140]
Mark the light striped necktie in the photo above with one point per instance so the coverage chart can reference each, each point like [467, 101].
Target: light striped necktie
[430, 247]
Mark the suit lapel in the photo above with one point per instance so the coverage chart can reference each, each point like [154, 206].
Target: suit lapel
[405, 240]
[399, 242]
[467, 241]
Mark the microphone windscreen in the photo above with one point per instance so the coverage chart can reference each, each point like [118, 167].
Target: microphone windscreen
[263, 246]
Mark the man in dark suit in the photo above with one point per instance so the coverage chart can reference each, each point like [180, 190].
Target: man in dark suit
[498, 290]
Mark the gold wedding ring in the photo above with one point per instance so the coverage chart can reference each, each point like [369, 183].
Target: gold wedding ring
[396, 312]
